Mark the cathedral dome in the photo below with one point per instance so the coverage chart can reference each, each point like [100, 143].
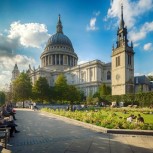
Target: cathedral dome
[59, 52]
[59, 39]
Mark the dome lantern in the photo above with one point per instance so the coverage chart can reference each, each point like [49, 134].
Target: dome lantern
[59, 27]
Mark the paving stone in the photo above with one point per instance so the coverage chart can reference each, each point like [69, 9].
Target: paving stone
[47, 134]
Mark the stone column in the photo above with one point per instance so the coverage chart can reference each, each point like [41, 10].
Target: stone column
[59, 59]
[96, 68]
[94, 73]
[74, 61]
[67, 60]
[55, 60]
[45, 61]
[71, 61]
[42, 62]
[87, 75]
[51, 59]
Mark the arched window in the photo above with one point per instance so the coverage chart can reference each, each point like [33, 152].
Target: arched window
[108, 75]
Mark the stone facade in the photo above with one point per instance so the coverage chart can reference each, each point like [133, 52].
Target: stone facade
[122, 63]
[142, 84]
[15, 72]
[59, 57]
[87, 77]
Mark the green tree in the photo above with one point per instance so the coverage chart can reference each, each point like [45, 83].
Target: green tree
[89, 99]
[8, 96]
[41, 90]
[73, 95]
[150, 77]
[82, 95]
[104, 90]
[2, 98]
[22, 88]
[140, 88]
[61, 88]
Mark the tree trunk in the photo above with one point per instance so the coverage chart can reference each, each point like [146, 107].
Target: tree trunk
[71, 107]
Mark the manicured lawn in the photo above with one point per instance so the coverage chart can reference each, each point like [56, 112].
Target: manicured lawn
[110, 117]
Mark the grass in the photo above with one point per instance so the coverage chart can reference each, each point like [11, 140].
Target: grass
[109, 117]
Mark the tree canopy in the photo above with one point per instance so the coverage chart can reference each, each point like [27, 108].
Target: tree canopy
[22, 88]
[2, 98]
[104, 90]
[41, 90]
[150, 77]
[73, 94]
[61, 88]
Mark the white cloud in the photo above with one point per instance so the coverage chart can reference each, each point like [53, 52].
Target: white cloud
[22, 35]
[150, 74]
[7, 64]
[14, 39]
[136, 44]
[132, 10]
[82, 62]
[97, 13]
[138, 74]
[29, 34]
[148, 26]
[136, 35]
[148, 47]
[92, 25]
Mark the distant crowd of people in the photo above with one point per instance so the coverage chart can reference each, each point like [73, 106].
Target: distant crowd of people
[7, 118]
[33, 106]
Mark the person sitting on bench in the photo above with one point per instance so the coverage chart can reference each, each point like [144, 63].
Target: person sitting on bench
[7, 123]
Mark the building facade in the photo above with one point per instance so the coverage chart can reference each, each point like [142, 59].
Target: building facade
[122, 62]
[15, 72]
[59, 57]
[142, 84]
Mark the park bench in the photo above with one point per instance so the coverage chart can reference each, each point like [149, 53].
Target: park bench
[4, 135]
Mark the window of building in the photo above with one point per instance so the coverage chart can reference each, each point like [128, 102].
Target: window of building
[108, 75]
[118, 61]
[129, 60]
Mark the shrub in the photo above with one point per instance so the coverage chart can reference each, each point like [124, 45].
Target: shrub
[108, 118]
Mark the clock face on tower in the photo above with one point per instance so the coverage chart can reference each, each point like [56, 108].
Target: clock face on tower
[117, 76]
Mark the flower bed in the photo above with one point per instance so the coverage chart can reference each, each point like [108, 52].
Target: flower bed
[109, 118]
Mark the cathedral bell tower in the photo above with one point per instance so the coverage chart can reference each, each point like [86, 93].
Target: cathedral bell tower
[15, 72]
[122, 62]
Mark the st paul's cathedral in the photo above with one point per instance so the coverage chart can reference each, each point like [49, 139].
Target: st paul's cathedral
[59, 56]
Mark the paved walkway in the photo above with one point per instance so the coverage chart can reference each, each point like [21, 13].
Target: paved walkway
[41, 133]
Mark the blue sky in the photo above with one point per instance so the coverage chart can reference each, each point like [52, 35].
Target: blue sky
[91, 25]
